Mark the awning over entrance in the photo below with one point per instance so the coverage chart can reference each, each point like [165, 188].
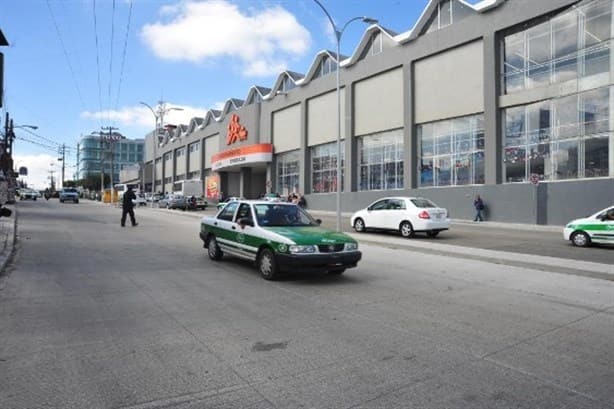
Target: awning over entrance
[242, 156]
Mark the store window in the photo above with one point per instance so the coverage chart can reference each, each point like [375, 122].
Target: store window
[558, 139]
[324, 167]
[287, 172]
[571, 45]
[452, 152]
[381, 161]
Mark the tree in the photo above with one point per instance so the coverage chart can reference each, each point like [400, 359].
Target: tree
[92, 182]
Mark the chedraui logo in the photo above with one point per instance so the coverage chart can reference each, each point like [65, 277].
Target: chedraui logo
[236, 131]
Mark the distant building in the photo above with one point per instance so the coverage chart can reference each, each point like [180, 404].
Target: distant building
[96, 153]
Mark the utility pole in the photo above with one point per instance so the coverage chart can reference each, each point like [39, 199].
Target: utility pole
[111, 140]
[62, 150]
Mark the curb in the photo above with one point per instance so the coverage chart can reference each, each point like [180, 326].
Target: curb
[8, 234]
[596, 270]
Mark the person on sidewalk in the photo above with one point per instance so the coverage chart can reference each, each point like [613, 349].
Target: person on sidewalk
[128, 207]
[478, 204]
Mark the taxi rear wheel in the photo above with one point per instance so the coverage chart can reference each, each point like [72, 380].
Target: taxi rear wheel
[213, 249]
[267, 265]
[580, 239]
[336, 271]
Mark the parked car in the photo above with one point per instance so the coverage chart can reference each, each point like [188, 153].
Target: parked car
[28, 194]
[196, 203]
[228, 200]
[597, 228]
[277, 237]
[69, 194]
[407, 215]
[173, 201]
[153, 198]
[140, 200]
[272, 197]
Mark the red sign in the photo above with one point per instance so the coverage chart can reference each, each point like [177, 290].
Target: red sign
[212, 186]
[236, 131]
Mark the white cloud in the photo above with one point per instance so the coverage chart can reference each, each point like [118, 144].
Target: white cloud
[38, 169]
[261, 41]
[141, 116]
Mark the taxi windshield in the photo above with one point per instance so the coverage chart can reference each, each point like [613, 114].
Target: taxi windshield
[279, 215]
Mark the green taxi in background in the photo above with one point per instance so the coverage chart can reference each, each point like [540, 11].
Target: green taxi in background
[598, 228]
[278, 237]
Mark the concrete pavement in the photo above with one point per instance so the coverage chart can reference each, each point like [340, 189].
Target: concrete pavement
[553, 264]
[8, 233]
[584, 268]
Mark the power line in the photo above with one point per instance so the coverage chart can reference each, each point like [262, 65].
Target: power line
[51, 148]
[121, 72]
[38, 136]
[111, 56]
[72, 72]
[97, 60]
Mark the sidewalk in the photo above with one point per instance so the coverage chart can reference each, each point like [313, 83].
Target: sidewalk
[486, 224]
[8, 233]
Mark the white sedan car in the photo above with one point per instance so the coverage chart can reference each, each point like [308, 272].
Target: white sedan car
[407, 215]
[597, 228]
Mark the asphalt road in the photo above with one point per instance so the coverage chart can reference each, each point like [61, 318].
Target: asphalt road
[93, 315]
[523, 241]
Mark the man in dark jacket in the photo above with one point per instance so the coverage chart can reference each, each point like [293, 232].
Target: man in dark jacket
[128, 206]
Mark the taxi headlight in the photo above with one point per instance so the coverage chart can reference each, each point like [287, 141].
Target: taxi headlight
[351, 246]
[302, 249]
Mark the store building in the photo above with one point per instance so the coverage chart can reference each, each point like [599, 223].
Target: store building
[98, 152]
[511, 100]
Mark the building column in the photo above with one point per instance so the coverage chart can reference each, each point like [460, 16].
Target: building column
[492, 116]
[411, 156]
[304, 168]
[245, 184]
[350, 145]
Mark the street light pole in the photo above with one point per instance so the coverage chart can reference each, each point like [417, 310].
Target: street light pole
[159, 114]
[338, 34]
[153, 160]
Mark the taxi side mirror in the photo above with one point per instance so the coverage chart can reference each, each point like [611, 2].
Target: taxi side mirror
[245, 222]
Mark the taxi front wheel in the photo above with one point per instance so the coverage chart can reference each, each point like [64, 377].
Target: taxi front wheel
[580, 239]
[267, 265]
[213, 249]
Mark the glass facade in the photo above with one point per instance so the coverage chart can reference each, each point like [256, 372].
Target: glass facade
[287, 172]
[381, 161]
[572, 45]
[125, 152]
[452, 152]
[324, 167]
[558, 139]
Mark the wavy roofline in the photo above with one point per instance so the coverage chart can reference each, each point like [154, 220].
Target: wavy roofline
[234, 104]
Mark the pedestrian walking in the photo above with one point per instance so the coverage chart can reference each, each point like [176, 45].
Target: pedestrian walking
[478, 204]
[128, 207]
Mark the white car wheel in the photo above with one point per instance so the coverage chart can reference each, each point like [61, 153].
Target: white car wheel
[359, 225]
[407, 230]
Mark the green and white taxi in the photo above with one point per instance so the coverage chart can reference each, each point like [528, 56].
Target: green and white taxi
[278, 237]
[598, 228]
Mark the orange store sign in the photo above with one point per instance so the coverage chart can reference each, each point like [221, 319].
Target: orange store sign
[236, 131]
[243, 155]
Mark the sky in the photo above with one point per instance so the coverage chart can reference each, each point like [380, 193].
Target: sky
[76, 66]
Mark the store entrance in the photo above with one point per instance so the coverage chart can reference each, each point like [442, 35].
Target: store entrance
[249, 183]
